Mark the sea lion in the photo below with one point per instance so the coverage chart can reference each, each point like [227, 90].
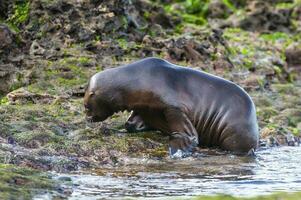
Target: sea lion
[193, 107]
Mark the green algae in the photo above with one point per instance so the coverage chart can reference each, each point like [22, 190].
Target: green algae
[20, 14]
[59, 129]
[287, 88]
[277, 37]
[63, 75]
[266, 112]
[194, 12]
[23, 183]
[37, 138]
[4, 101]
[122, 43]
[229, 4]
[288, 5]
[278, 196]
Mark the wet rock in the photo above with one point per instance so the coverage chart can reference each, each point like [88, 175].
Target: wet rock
[106, 157]
[147, 39]
[64, 166]
[239, 3]
[290, 138]
[293, 56]
[6, 75]
[6, 37]
[65, 178]
[187, 50]
[252, 82]
[263, 143]
[162, 19]
[11, 45]
[297, 17]
[84, 34]
[272, 141]
[11, 140]
[264, 18]
[217, 9]
[36, 49]
[281, 139]
[22, 96]
[278, 137]
[299, 128]
[59, 130]
[4, 9]
[78, 92]
[221, 65]
[267, 132]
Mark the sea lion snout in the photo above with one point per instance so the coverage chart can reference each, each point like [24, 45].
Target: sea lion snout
[94, 111]
[98, 117]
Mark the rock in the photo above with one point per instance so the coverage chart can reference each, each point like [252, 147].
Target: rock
[221, 65]
[11, 140]
[252, 82]
[147, 39]
[239, 3]
[22, 96]
[262, 17]
[293, 56]
[185, 49]
[65, 179]
[262, 143]
[297, 12]
[6, 75]
[36, 49]
[4, 9]
[6, 37]
[217, 9]
[267, 132]
[281, 139]
[272, 141]
[77, 92]
[299, 127]
[291, 140]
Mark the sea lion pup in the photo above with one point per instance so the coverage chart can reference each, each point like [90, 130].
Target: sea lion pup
[193, 107]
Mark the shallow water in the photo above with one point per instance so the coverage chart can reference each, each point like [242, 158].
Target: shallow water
[273, 169]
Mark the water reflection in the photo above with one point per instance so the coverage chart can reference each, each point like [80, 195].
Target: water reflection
[275, 169]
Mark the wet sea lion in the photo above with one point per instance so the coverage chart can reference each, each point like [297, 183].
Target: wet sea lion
[193, 107]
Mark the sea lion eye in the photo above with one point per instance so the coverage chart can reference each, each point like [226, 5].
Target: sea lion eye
[91, 94]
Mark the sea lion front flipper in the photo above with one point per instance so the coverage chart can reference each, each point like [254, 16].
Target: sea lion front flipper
[183, 136]
[181, 146]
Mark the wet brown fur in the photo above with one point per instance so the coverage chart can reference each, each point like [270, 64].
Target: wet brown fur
[193, 106]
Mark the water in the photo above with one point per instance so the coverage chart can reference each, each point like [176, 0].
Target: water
[274, 169]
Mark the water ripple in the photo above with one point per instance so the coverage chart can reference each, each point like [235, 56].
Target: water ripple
[276, 169]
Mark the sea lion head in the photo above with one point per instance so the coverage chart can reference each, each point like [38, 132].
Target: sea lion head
[97, 108]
